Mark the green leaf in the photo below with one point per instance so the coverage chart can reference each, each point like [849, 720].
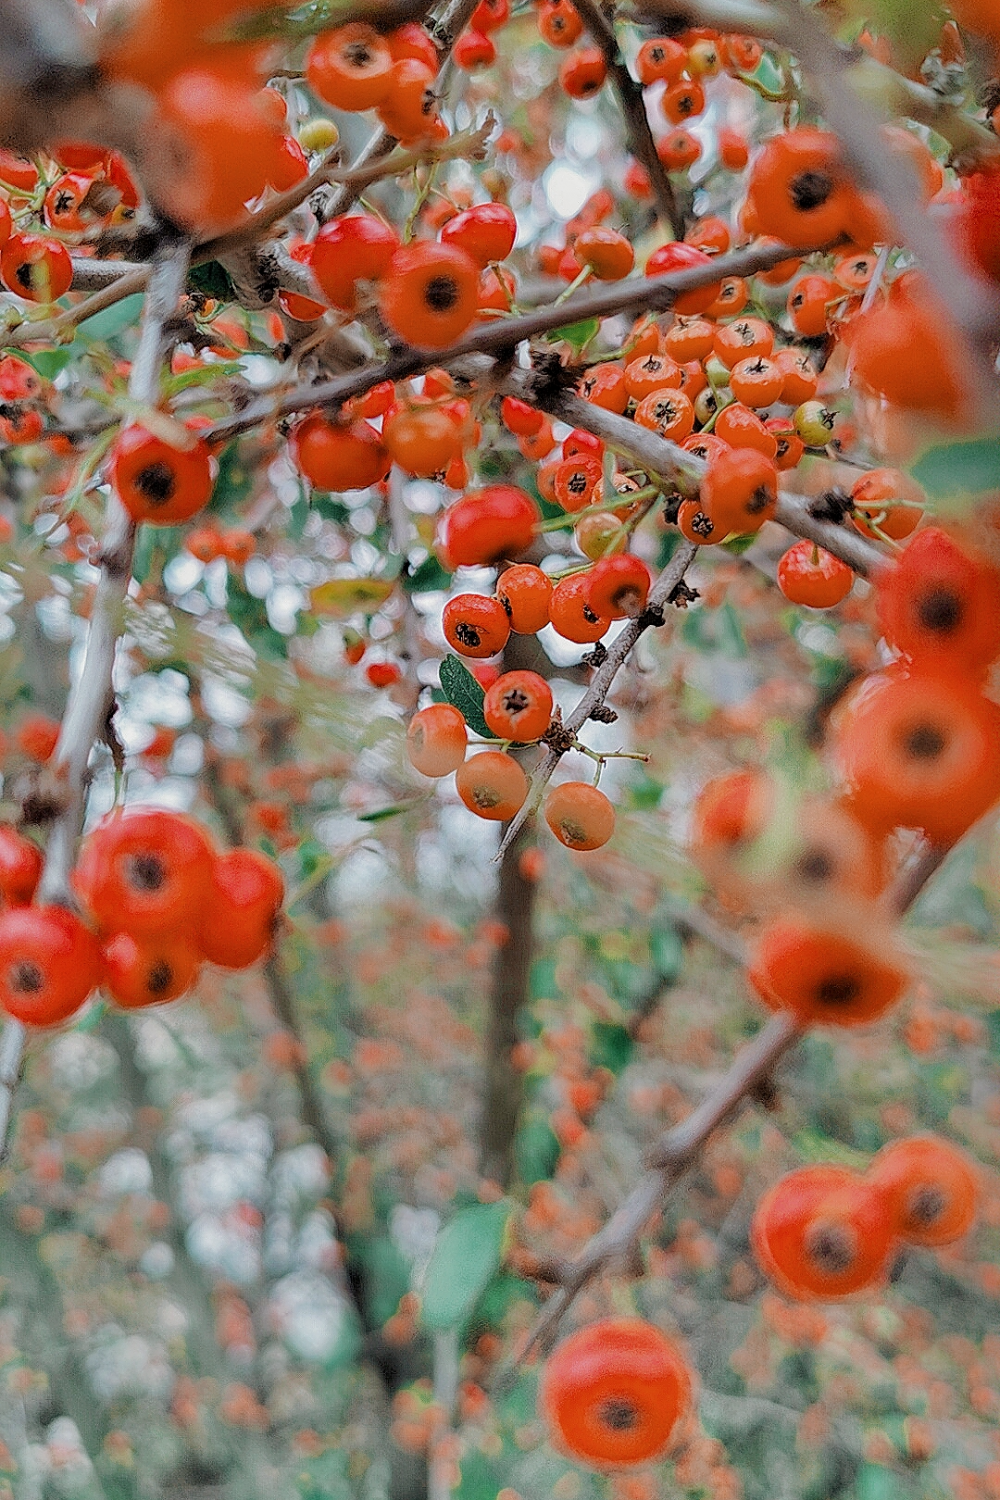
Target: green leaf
[47, 362]
[466, 1257]
[542, 979]
[113, 320]
[667, 952]
[737, 545]
[343, 597]
[536, 1150]
[426, 578]
[957, 469]
[382, 813]
[330, 509]
[214, 280]
[577, 334]
[610, 1046]
[462, 690]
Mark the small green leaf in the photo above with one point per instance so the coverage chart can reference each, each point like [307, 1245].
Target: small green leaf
[426, 578]
[382, 813]
[343, 597]
[667, 952]
[214, 280]
[956, 469]
[462, 690]
[577, 334]
[47, 362]
[330, 509]
[737, 545]
[611, 1046]
[104, 325]
[536, 1150]
[466, 1257]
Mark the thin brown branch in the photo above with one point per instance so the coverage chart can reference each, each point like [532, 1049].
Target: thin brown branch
[633, 108]
[680, 1148]
[55, 330]
[500, 337]
[596, 694]
[970, 305]
[91, 697]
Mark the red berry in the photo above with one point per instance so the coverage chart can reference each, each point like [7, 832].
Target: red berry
[157, 482]
[612, 1393]
[242, 909]
[49, 964]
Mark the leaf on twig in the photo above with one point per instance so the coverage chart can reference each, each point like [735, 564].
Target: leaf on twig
[461, 689]
[956, 469]
[466, 1257]
[342, 597]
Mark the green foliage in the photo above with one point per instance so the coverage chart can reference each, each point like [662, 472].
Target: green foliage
[461, 689]
[466, 1256]
[952, 471]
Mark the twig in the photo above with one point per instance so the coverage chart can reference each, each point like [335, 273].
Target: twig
[633, 107]
[503, 335]
[679, 1149]
[53, 330]
[594, 697]
[92, 696]
[684, 471]
[468, 145]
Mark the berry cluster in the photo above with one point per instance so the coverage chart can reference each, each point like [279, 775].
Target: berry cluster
[917, 746]
[825, 1232]
[158, 901]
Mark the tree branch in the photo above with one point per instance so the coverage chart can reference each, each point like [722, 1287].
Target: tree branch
[594, 697]
[501, 336]
[91, 696]
[680, 1148]
[633, 107]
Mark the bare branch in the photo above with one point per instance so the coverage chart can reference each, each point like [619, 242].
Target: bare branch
[680, 1148]
[633, 107]
[596, 694]
[503, 335]
[91, 696]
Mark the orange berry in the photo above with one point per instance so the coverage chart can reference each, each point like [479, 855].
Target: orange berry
[430, 294]
[613, 1392]
[475, 625]
[580, 815]
[825, 977]
[492, 785]
[931, 1186]
[525, 592]
[436, 740]
[518, 706]
[823, 1232]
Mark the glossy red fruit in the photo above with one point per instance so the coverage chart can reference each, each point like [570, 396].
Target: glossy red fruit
[49, 964]
[931, 1186]
[613, 1392]
[20, 867]
[36, 268]
[350, 250]
[940, 605]
[919, 749]
[339, 457]
[488, 525]
[822, 1233]
[679, 256]
[518, 706]
[145, 871]
[436, 740]
[619, 586]
[240, 918]
[159, 483]
[475, 625]
[430, 294]
[824, 976]
[810, 575]
[152, 972]
[485, 232]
